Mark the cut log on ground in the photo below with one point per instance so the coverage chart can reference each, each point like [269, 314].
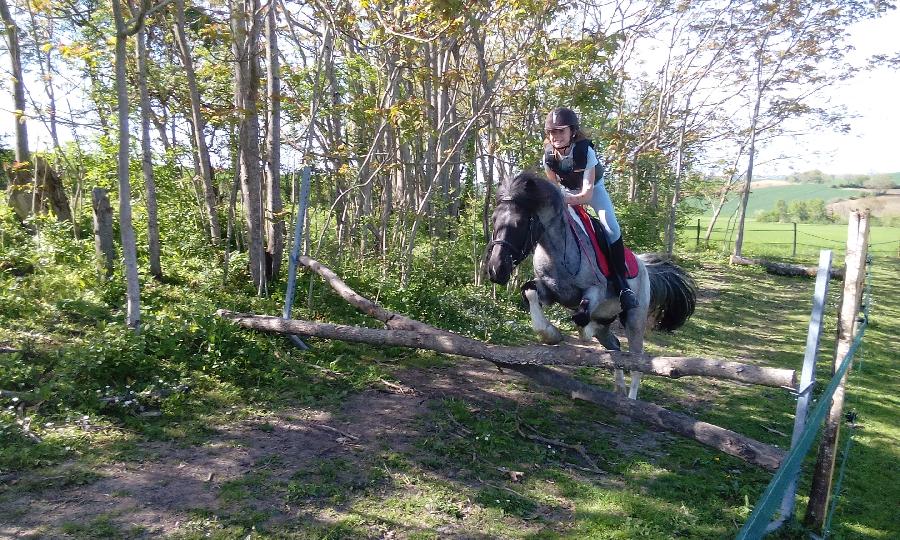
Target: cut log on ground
[730, 442]
[785, 269]
[740, 446]
[564, 354]
[26, 397]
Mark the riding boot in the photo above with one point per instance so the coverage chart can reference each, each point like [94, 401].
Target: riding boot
[620, 272]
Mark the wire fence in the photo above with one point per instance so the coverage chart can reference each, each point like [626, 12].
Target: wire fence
[759, 520]
[795, 241]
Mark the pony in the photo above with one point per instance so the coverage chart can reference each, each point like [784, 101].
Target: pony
[530, 215]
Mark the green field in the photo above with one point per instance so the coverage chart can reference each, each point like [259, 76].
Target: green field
[777, 239]
[765, 198]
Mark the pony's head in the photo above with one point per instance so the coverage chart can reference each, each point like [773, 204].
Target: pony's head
[516, 228]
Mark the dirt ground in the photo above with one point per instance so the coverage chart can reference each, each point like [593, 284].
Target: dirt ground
[154, 496]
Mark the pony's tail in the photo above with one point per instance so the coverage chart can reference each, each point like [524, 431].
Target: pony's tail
[673, 294]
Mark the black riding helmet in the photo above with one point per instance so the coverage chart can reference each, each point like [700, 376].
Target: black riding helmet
[561, 117]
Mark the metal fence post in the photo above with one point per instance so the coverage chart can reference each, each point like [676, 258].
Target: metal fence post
[807, 377]
[295, 254]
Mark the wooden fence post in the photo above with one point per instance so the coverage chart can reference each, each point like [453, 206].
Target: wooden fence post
[103, 232]
[854, 278]
[697, 246]
[794, 252]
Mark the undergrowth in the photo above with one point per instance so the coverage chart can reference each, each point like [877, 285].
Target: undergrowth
[80, 388]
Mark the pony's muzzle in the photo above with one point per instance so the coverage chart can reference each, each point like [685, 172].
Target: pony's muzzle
[499, 273]
[499, 268]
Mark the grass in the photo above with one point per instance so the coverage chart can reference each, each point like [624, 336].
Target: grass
[478, 468]
[777, 239]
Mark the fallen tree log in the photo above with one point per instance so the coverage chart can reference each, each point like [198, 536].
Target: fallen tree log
[750, 450]
[563, 354]
[785, 269]
[18, 396]
[745, 448]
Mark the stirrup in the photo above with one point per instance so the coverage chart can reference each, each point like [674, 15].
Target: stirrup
[628, 299]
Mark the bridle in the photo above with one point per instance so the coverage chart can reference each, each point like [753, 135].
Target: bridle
[517, 254]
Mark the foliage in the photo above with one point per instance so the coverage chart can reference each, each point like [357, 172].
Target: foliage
[802, 211]
[7, 156]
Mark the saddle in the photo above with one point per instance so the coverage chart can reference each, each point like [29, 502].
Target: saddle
[592, 228]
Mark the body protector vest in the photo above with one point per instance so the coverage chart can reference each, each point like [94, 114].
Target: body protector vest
[570, 168]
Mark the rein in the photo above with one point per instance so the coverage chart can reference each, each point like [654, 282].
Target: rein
[588, 252]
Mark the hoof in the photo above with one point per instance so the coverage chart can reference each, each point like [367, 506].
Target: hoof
[628, 300]
[550, 337]
[581, 318]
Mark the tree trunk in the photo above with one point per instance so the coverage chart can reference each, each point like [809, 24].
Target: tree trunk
[275, 221]
[147, 157]
[199, 124]
[246, 80]
[739, 241]
[126, 229]
[50, 191]
[104, 248]
[784, 269]
[676, 190]
[20, 190]
[564, 354]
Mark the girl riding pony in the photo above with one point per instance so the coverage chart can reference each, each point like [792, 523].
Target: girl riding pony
[570, 160]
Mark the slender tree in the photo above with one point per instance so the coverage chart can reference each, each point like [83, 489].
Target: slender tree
[126, 227]
[146, 154]
[274, 215]
[20, 190]
[245, 27]
[796, 49]
[204, 164]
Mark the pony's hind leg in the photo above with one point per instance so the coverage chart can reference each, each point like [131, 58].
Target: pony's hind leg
[548, 333]
[620, 382]
[611, 343]
[635, 326]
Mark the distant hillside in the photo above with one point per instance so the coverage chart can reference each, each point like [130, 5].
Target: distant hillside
[764, 198]
[871, 181]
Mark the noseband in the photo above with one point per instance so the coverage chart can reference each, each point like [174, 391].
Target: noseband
[518, 254]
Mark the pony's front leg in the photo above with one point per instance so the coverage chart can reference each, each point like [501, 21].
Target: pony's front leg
[548, 333]
[589, 302]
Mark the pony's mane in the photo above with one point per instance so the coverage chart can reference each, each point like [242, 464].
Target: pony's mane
[531, 190]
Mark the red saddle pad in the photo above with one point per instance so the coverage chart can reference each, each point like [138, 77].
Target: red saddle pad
[630, 259]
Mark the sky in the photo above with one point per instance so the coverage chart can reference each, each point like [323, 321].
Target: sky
[871, 146]
[873, 143]
[871, 101]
